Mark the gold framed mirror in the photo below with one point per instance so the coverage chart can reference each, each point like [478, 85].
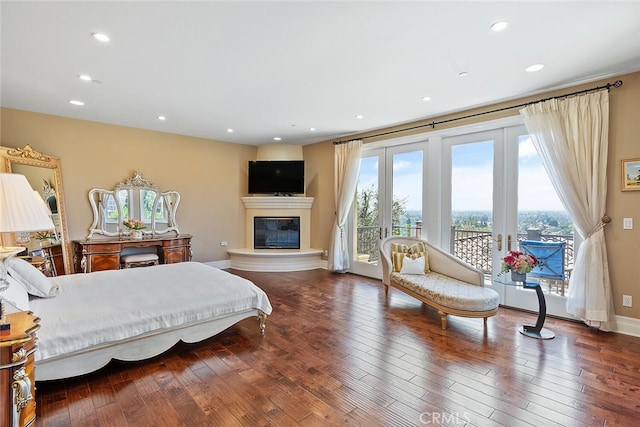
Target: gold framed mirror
[44, 173]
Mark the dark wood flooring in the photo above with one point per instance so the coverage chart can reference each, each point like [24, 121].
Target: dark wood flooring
[337, 352]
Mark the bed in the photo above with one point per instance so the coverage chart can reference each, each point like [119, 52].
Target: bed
[132, 314]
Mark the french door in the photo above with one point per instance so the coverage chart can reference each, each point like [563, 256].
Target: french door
[388, 202]
[496, 192]
[477, 193]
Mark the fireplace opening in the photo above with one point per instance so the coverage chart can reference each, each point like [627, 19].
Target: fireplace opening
[276, 232]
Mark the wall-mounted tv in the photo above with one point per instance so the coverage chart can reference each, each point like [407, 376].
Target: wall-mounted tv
[277, 177]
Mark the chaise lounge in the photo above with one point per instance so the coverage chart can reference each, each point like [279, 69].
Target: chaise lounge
[436, 278]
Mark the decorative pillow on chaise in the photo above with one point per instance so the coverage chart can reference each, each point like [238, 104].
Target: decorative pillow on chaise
[413, 266]
[399, 252]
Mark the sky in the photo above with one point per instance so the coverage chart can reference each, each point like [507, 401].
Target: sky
[472, 175]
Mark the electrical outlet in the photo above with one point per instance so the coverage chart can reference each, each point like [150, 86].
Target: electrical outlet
[627, 301]
[627, 223]
[223, 243]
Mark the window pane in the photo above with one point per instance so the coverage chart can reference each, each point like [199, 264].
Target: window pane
[406, 212]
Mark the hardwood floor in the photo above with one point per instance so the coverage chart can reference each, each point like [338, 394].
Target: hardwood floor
[337, 352]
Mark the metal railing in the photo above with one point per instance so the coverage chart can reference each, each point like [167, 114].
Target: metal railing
[367, 242]
[472, 246]
[475, 247]
[368, 239]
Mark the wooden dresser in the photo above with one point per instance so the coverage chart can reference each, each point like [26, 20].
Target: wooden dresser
[17, 375]
[53, 255]
[104, 254]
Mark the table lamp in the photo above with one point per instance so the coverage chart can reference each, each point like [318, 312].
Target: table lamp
[20, 211]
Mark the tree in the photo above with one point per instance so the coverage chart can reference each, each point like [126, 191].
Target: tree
[367, 208]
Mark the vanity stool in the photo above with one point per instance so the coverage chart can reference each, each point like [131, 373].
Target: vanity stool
[139, 260]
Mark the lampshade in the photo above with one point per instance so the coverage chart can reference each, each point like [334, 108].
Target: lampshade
[20, 210]
[41, 202]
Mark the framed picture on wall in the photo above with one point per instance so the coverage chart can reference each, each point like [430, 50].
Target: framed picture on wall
[631, 175]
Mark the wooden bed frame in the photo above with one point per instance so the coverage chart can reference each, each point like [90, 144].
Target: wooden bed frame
[138, 348]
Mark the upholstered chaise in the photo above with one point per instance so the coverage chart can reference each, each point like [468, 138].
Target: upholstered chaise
[449, 285]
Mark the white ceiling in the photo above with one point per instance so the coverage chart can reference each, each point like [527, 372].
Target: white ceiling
[268, 69]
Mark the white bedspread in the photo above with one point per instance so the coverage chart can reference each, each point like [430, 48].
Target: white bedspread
[107, 306]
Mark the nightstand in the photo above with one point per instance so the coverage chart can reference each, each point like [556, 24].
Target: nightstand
[17, 375]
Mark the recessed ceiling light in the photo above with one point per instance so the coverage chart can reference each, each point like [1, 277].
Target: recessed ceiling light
[277, 138]
[499, 26]
[463, 74]
[76, 102]
[100, 37]
[230, 130]
[162, 118]
[535, 67]
[312, 129]
[359, 116]
[426, 98]
[87, 78]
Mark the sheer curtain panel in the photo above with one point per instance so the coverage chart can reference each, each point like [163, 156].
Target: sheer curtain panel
[346, 170]
[571, 137]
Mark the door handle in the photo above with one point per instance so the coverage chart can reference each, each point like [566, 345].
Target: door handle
[499, 241]
[509, 242]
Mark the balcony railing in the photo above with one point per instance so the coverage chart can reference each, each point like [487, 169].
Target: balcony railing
[475, 247]
[472, 246]
[368, 239]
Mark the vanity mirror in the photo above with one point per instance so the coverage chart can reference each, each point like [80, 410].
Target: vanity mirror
[44, 173]
[134, 201]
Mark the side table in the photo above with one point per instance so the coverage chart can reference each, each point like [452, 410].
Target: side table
[17, 376]
[537, 331]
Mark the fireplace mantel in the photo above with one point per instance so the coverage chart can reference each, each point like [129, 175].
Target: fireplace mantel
[252, 259]
[277, 202]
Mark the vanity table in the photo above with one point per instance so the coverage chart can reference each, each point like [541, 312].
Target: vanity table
[134, 199]
[104, 254]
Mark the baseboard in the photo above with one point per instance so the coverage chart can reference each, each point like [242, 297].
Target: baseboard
[627, 326]
[226, 263]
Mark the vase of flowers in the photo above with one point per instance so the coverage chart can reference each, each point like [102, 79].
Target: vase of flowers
[45, 237]
[519, 264]
[135, 227]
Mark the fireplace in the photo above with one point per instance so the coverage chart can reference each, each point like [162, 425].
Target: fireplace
[276, 232]
[259, 255]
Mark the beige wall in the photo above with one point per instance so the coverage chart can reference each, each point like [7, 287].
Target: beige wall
[624, 142]
[211, 176]
[318, 163]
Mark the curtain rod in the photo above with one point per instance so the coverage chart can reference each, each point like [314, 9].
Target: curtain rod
[608, 86]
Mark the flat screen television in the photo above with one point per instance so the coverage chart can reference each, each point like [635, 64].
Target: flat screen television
[277, 177]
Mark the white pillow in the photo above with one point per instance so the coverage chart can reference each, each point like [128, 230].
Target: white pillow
[412, 266]
[16, 296]
[32, 279]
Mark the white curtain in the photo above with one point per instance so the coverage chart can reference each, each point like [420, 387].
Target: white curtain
[346, 171]
[571, 136]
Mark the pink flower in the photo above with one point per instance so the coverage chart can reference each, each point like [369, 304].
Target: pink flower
[134, 224]
[518, 262]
